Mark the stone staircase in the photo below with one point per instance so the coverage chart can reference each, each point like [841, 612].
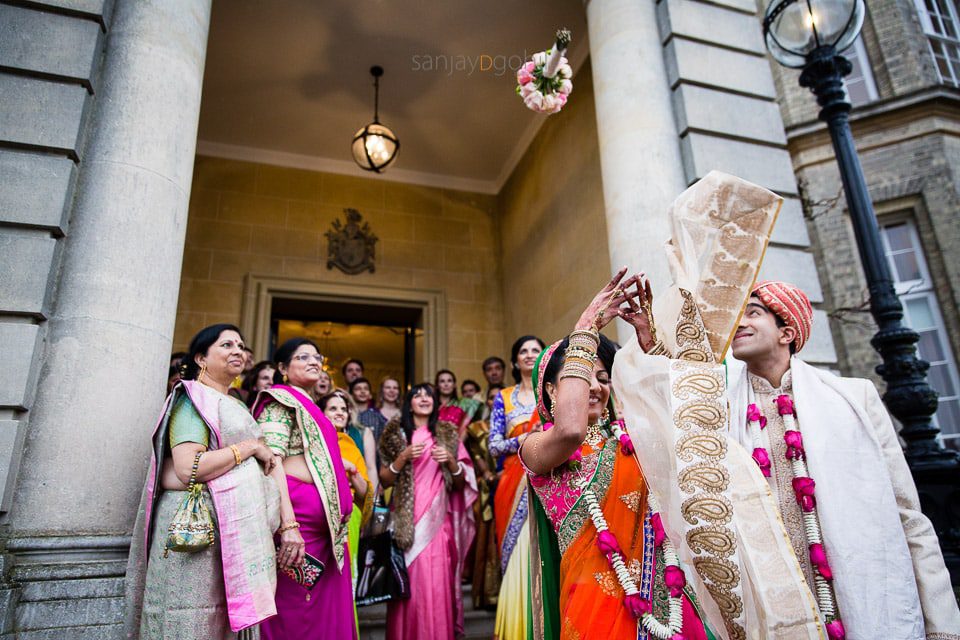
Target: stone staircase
[477, 623]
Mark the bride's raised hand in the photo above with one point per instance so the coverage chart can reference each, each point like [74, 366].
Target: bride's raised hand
[637, 311]
[605, 305]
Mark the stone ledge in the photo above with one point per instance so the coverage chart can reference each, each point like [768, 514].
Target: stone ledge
[65, 589]
[710, 23]
[48, 43]
[716, 67]
[18, 343]
[99, 632]
[59, 614]
[795, 266]
[35, 189]
[67, 571]
[27, 257]
[767, 166]
[728, 114]
[790, 227]
[41, 113]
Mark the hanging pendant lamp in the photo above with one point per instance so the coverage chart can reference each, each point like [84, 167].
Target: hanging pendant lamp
[375, 146]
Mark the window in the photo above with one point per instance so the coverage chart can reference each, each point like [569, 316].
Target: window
[921, 312]
[860, 86]
[940, 22]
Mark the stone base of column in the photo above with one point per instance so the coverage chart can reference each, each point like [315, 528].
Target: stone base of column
[63, 587]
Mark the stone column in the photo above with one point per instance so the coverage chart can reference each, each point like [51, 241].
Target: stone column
[639, 153]
[108, 339]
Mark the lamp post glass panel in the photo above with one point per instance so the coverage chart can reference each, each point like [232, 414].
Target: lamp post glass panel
[811, 34]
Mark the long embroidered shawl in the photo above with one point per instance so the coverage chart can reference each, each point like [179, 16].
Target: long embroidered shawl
[322, 454]
[715, 505]
[247, 551]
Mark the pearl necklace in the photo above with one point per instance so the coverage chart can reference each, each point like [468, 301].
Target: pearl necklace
[803, 488]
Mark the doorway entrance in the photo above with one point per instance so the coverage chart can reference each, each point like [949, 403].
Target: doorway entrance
[384, 339]
[398, 332]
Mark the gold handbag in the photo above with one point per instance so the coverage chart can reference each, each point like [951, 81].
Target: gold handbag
[192, 526]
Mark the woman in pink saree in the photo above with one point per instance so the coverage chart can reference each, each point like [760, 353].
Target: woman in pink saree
[434, 491]
[223, 591]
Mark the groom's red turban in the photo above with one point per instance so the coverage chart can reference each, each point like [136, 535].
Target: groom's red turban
[791, 305]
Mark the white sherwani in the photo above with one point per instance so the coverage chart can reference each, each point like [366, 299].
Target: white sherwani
[889, 574]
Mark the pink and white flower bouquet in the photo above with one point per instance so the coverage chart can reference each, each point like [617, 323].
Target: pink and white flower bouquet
[544, 82]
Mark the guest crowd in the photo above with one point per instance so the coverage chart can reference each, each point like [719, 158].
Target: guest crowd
[441, 456]
[270, 474]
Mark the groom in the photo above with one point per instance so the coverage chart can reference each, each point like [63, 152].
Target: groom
[829, 451]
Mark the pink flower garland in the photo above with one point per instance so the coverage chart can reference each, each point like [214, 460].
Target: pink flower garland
[804, 488]
[758, 422]
[673, 576]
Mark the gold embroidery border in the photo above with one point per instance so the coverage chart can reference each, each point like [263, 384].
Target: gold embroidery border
[699, 414]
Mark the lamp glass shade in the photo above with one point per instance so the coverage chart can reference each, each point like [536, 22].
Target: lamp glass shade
[375, 147]
[793, 29]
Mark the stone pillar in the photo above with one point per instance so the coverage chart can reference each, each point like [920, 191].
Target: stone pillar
[639, 153]
[108, 337]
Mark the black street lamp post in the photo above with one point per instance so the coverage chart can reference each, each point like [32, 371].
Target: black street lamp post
[811, 34]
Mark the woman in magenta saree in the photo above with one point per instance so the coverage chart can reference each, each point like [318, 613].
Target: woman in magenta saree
[315, 502]
[434, 491]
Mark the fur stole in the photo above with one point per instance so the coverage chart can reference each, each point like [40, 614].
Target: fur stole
[392, 442]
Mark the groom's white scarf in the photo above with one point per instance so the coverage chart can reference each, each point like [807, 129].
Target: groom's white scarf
[873, 572]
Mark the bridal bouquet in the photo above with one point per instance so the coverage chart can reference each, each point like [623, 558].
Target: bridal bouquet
[544, 82]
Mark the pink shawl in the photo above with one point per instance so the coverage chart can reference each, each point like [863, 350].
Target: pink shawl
[433, 504]
[249, 593]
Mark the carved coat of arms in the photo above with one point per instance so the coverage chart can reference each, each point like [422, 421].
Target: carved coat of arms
[351, 246]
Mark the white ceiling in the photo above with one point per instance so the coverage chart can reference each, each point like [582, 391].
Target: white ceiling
[287, 82]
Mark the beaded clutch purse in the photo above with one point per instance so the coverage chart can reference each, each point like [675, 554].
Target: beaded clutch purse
[307, 574]
[192, 527]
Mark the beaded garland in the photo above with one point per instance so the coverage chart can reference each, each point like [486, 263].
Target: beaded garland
[673, 575]
[803, 488]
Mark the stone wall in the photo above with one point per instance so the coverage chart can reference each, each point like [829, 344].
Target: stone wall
[906, 144]
[248, 218]
[100, 102]
[553, 234]
[727, 119]
[912, 172]
[51, 55]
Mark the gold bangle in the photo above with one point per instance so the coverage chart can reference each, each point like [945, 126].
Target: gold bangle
[236, 454]
[585, 337]
[574, 374]
[288, 527]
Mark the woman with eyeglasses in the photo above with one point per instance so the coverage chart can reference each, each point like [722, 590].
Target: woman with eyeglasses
[315, 501]
[434, 488]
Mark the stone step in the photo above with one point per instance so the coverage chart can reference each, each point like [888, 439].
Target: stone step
[478, 624]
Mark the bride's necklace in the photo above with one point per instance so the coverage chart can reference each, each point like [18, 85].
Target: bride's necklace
[594, 434]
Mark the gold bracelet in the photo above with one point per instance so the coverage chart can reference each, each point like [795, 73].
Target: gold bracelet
[236, 454]
[288, 527]
[585, 337]
[575, 374]
[581, 354]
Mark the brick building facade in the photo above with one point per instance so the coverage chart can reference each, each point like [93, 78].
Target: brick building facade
[905, 122]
